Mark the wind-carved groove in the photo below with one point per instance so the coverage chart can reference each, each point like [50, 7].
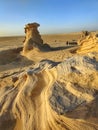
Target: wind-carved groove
[37, 99]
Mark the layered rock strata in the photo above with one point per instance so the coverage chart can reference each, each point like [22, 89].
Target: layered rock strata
[88, 44]
[52, 96]
[33, 38]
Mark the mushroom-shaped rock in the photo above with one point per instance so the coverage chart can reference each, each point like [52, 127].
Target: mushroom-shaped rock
[32, 38]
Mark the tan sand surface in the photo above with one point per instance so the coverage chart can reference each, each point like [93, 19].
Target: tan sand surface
[48, 90]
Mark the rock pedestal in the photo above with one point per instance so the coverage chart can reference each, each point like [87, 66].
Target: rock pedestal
[32, 38]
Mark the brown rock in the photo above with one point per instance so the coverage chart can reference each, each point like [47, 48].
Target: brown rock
[14, 79]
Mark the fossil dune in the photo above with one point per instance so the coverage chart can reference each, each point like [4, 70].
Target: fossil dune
[88, 43]
[53, 90]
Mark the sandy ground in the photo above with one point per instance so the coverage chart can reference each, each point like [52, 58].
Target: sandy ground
[54, 40]
[12, 60]
[52, 90]
[10, 54]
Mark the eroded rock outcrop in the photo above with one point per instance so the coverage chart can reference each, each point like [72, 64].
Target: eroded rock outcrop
[88, 44]
[45, 97]
[33, 38]
[84, 34]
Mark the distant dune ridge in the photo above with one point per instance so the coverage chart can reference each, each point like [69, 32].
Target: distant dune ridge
[50, 89]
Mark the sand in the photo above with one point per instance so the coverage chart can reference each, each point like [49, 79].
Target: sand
[48, 90]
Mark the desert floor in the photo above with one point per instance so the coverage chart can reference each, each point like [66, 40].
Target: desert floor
[52, 39]
[9, 50]
[50, 90]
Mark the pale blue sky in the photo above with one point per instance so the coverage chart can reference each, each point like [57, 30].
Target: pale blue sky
[54, 16]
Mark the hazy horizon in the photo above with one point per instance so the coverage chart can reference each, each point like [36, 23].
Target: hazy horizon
[54, 16]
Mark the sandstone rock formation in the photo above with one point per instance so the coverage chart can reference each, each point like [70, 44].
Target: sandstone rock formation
[56, 94]
[84, 34]
[88, 44]
[33, 38]
[52, 96]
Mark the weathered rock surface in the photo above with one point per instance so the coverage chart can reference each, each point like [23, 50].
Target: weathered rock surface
[50, 95]
[88, 44]
[84, 34]
[33, 38]
[45, 97]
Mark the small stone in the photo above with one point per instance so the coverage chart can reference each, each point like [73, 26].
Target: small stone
[14, 79]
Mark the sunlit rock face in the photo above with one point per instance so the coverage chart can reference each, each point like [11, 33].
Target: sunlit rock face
[33, 38]
[88, 43]
[52, 96]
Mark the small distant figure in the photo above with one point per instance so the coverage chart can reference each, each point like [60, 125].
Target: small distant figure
[67, 43]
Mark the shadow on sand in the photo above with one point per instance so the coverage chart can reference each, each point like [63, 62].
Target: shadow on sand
[48, 48]
[11, 58]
